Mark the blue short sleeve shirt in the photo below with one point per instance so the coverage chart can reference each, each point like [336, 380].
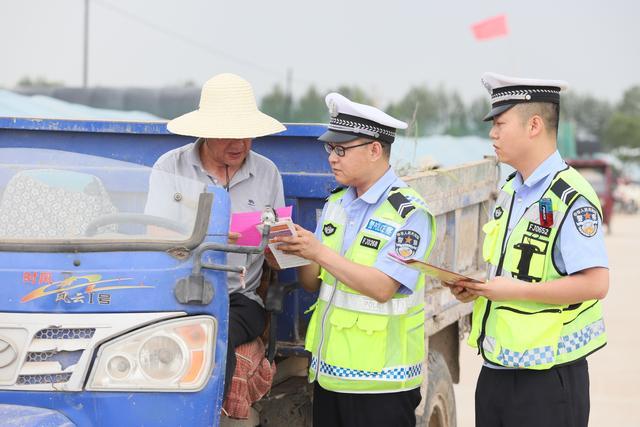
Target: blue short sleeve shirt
[573, 250]
[358, 212]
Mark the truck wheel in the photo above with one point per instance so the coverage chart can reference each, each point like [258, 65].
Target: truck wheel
[440, 403]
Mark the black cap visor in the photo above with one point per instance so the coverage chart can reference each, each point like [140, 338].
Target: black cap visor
[338, 137]
[496, 111]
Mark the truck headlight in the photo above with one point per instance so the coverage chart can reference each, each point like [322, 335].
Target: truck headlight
[176, 355]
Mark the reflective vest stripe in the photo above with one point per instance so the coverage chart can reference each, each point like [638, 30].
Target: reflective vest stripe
[579, 339]
[362, 303]
[544, 355]
[396, 373]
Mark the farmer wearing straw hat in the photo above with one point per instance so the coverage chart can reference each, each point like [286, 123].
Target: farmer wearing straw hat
[224, 124]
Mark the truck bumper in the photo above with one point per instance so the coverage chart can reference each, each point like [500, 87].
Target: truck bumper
[30, 416]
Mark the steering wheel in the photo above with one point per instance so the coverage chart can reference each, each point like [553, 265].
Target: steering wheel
[135, 218]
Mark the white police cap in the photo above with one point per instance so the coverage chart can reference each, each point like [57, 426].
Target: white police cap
[351, 120]
[508, 91]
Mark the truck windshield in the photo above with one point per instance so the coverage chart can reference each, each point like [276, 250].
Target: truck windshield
[50, 195]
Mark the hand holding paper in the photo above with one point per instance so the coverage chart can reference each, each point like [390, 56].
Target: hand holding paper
[282, 229]
[245, 223]
[446, 276]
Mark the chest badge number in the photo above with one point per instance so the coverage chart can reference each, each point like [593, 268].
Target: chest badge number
[328, 229]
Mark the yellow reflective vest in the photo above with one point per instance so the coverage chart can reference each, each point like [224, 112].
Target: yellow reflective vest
[527, 334]
[358, 344]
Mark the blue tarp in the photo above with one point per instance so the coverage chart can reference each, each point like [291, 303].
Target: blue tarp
[44, 107]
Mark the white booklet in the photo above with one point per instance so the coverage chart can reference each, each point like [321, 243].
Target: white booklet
[283, 227]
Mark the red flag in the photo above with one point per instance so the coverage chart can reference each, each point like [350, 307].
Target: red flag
[490, 28]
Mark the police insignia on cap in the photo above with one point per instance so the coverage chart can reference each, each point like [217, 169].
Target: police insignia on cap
[333, 109]
[586, 221]
[328, 229]
[407, 242]
[497, 213]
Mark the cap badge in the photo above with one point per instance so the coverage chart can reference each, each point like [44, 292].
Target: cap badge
[333, 109]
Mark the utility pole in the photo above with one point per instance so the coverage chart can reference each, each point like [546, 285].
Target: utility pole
[85, 67]
[288, 95]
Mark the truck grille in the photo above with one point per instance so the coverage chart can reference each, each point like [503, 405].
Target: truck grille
[43, 379]
[39, 356]
[64, 333]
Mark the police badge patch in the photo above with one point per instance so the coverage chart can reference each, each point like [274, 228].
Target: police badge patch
[586, 220]
[498, 212]
[328, 229]
[407, 242]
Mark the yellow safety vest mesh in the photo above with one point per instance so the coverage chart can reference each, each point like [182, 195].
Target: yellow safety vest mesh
[357, 343]
[527, 334]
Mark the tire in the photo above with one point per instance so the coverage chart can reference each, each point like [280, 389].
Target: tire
[440, 403]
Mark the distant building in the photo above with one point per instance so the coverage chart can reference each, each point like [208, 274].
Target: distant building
[164, 102]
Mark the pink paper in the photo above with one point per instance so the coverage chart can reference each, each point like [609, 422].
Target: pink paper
[245, 224]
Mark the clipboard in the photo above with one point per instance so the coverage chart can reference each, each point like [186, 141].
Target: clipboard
[441, 274]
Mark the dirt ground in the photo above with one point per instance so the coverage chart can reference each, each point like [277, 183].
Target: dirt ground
[614, 370]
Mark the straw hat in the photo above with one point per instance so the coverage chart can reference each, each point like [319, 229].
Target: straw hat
[227, 110]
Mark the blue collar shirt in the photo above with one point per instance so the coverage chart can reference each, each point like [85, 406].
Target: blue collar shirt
[573, 251]
[360, 209]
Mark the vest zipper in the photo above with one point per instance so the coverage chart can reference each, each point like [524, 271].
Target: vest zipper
[515, 310]
[487, 309]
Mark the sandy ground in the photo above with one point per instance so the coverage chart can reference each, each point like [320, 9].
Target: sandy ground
[614, 370]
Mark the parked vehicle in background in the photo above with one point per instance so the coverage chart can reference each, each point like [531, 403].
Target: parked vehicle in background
[627, 196]
[600, 175]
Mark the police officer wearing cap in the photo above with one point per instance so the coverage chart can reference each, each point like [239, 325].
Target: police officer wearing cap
[539, 315]
[366, 334]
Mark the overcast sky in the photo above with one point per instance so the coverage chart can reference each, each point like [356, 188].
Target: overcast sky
[383, 46]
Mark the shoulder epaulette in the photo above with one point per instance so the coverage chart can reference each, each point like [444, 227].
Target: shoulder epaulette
[564, 191]
[512, 175]
[335, 191]
[401, 204]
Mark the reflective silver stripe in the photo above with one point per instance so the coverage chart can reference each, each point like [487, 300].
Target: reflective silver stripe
[357, 302]
[579, 339]
[389, 374]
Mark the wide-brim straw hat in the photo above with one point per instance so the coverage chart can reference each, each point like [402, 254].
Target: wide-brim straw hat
[227, 110]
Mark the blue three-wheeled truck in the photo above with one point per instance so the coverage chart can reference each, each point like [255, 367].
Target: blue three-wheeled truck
[113, 317]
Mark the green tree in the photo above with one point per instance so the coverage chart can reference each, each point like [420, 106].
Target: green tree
[588, 113]
[355, 94]
[476, 111]
[39, 81]
[622, 130]
[419, 108]
[311, 108]
[630, 102]
[455, 114]
[277, 104]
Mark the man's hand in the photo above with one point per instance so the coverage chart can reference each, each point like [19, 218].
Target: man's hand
[304, 245]
[497, 289]
[460, 292]
[233, 237]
